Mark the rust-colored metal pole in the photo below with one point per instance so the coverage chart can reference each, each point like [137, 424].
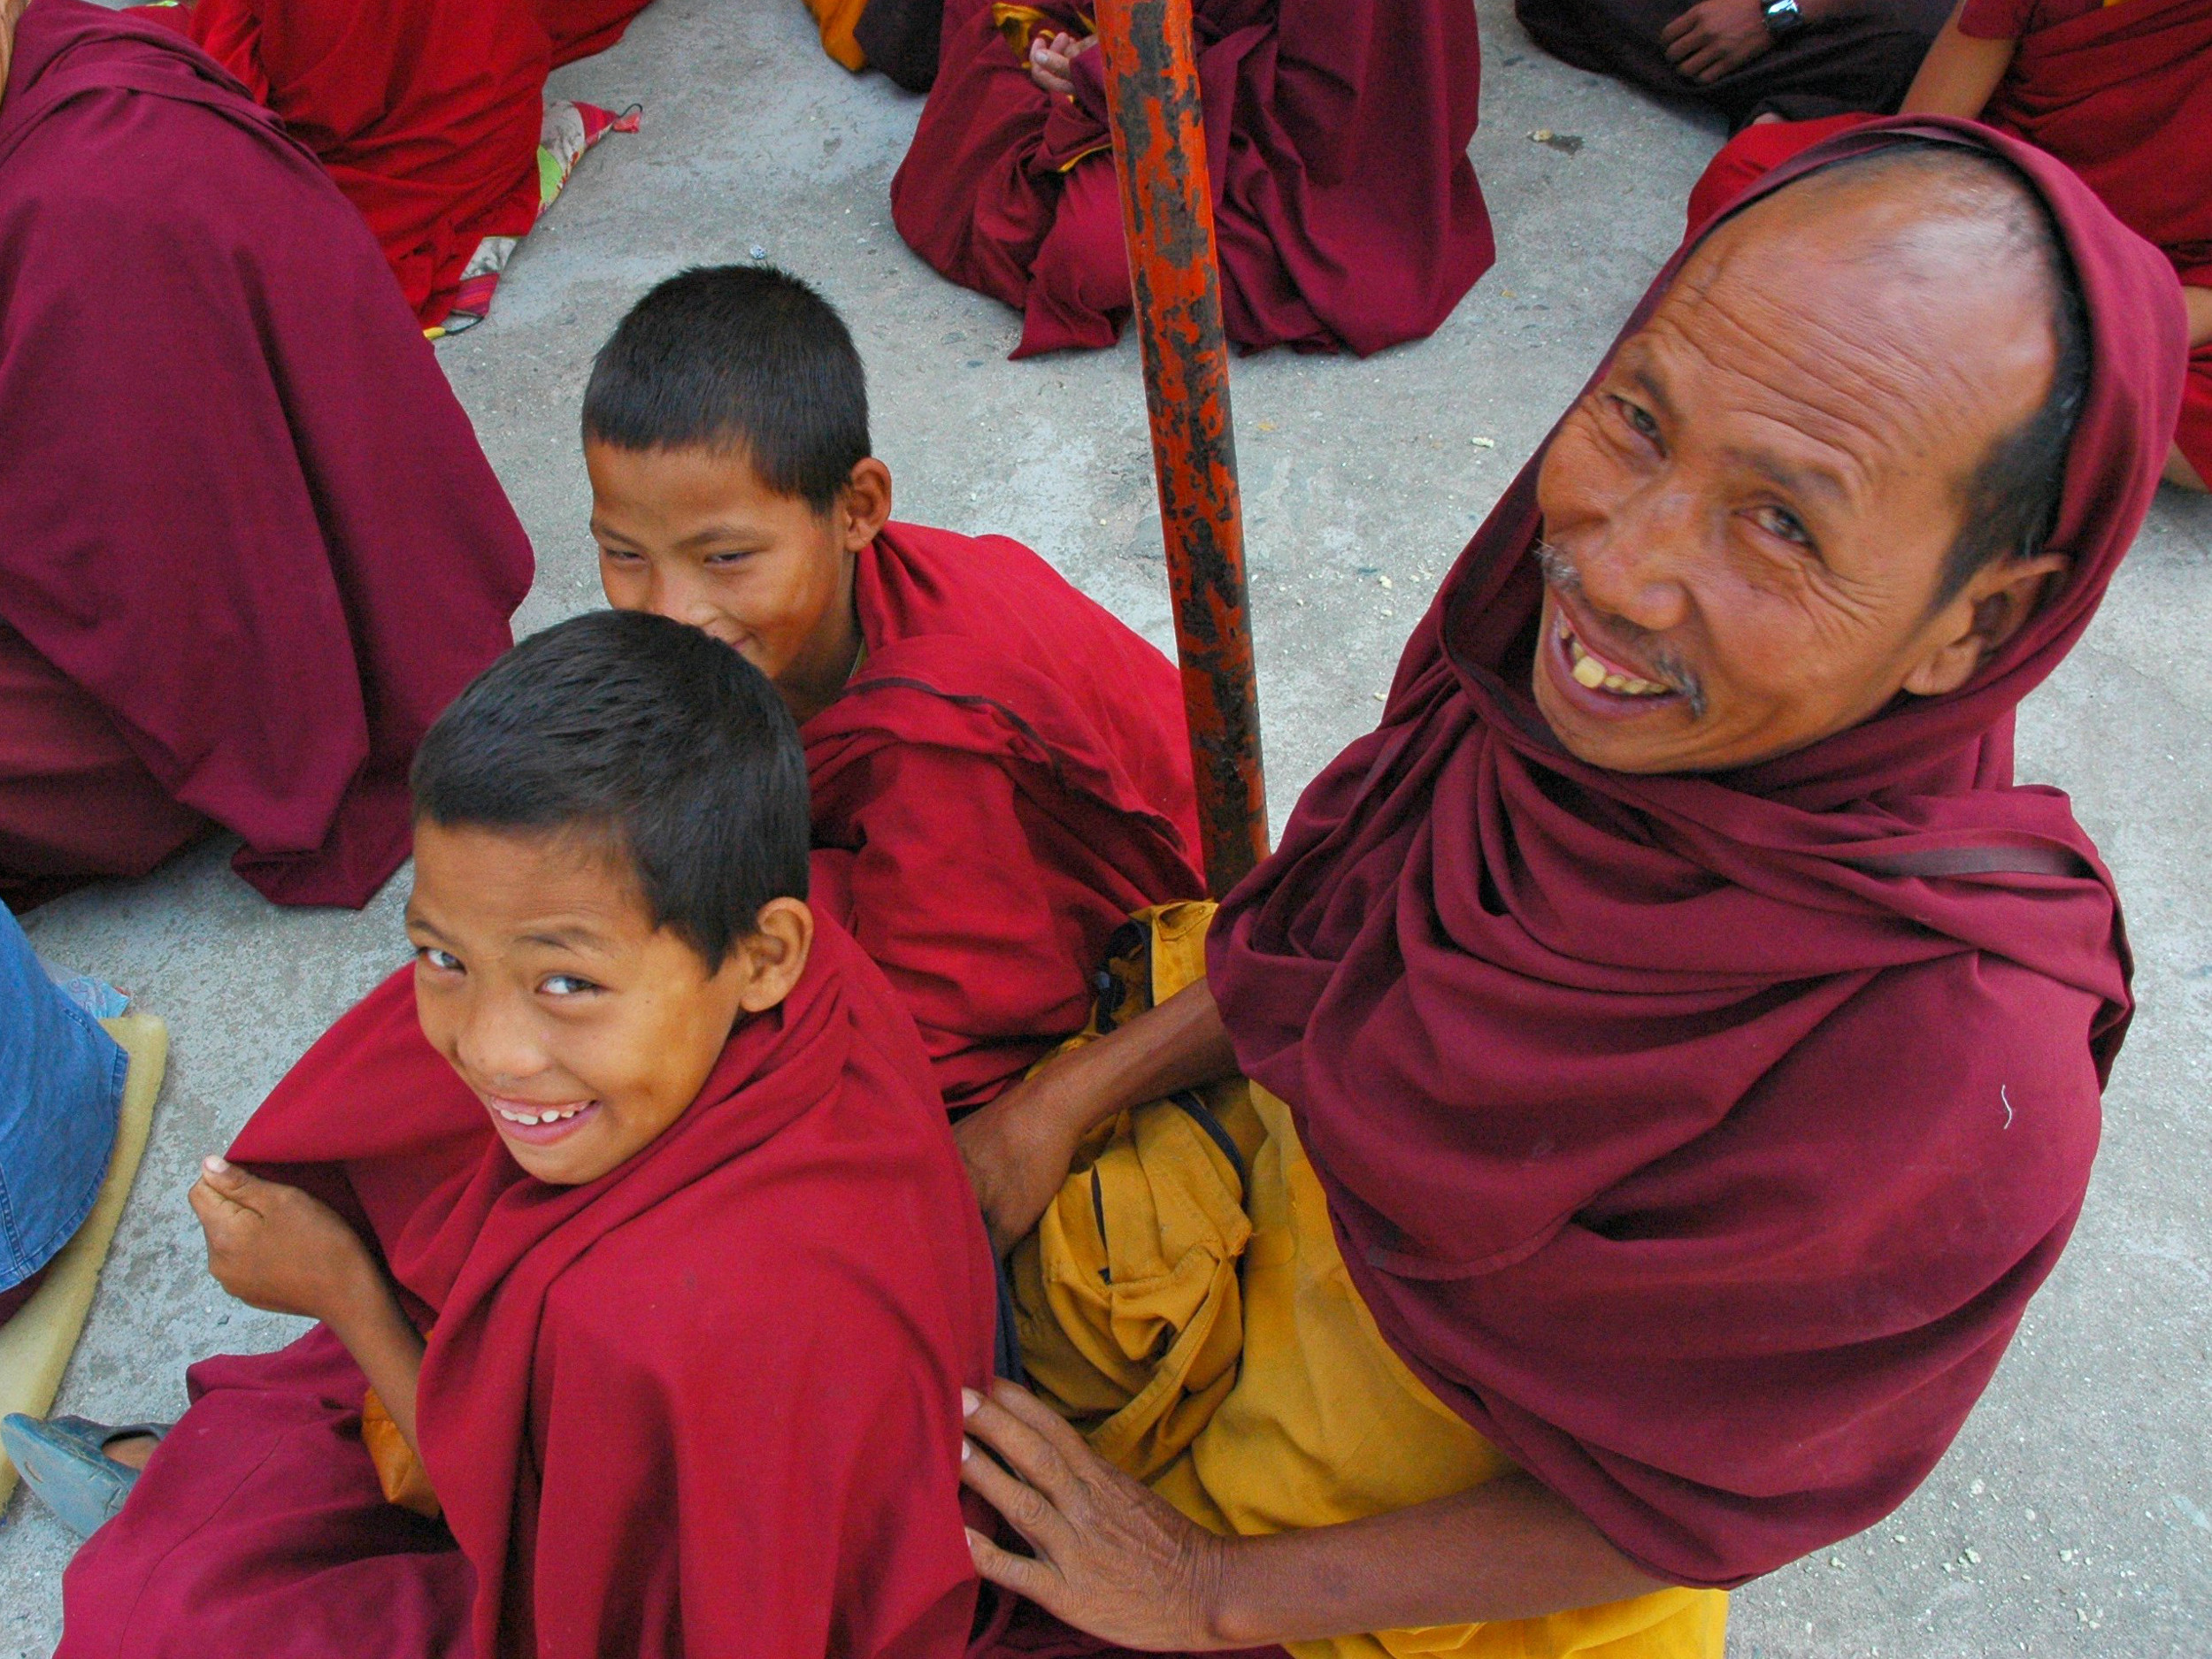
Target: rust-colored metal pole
[1168, 215]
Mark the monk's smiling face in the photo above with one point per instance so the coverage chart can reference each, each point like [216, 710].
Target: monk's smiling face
[695, 534]
[1747, 521]
[584, 1029]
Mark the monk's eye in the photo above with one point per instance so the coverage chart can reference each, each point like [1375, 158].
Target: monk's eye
[566, 985]
[1640, 420]
[440, 961]
[1780, 521]
[620, 555]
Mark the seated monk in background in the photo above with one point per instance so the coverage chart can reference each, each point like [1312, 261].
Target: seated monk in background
[1674, 1043]
[249, 545]
[1000, 769]
[430, 116]
[640, 1249]
[1345, 210]
[2119, 90]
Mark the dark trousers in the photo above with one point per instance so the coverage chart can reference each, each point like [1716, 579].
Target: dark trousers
[1863, 62]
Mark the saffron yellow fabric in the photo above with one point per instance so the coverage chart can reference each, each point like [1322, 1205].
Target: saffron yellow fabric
[837, 19]
[1201, 1330]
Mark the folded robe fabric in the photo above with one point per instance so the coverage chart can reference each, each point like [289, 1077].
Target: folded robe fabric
[296, 555]
[708, 1403]
[1003, 782]
[1699, 1156]
[1346, 213]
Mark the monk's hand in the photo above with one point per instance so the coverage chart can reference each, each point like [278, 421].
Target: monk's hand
[1052, 62]
[1716, 38]
[276, 1248]
[1112, 1557]
[1019, 1150]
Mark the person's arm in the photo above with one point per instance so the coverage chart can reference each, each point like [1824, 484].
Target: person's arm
[1117, 1561]
[2199, 303]
[1714, 38]
[1019, 1148]
[1959, 73]
[276, 1248]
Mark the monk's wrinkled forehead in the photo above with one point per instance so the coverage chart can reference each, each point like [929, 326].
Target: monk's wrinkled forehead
[1875, 309]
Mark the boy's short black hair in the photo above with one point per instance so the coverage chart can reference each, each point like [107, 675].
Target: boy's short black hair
[651, 734]
[741, 358]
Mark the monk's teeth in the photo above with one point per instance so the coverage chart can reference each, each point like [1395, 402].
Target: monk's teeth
[1588, 671]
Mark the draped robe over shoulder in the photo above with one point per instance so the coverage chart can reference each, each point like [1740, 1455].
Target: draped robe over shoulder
[1346, 213]
[1701, 1139]
[708, 1403]
[1004, 780]
[249, 545]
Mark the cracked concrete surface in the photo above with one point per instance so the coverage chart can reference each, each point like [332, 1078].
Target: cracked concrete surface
[2074, 1517]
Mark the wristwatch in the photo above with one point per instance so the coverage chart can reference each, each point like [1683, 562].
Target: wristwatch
[1782, 16]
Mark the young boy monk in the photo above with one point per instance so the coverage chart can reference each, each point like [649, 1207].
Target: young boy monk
[632, 1202]
[999, 769]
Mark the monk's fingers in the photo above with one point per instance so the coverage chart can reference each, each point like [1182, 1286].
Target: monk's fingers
[1049, 1424]
[1028, 1510]
[1676, 35]
[1031, 1452]
[1024, 1575]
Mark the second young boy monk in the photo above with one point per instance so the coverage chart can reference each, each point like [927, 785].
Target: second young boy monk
[999, 768]
[632, 1202]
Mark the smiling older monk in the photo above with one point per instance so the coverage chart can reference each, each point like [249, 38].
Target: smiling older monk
[1674, 1044]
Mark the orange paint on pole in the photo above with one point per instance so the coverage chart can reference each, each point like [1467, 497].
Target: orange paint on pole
[1167, 214]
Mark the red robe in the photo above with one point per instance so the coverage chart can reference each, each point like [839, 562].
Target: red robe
[1347, 212]
[297, 553]
[1700, 1140]
[426, 113]
[708, 1403]
[2122, 95]
[1004, 780]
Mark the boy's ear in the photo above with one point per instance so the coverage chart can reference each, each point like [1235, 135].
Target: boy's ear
[864, 505]
[774, 954]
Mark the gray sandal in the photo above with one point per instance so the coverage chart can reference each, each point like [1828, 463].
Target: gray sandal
[65, 1461]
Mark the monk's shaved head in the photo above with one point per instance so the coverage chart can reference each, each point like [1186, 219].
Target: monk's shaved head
[1820, 476]
[1939, 237]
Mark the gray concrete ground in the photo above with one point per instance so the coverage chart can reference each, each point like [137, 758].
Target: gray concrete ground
[2074, 1517]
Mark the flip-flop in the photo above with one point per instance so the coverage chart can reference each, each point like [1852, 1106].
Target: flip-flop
[65, 1461]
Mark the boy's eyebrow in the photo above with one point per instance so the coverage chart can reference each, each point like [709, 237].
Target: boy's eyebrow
[719, 533]
[567, 938]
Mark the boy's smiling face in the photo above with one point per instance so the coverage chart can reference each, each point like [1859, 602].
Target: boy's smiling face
[584, 1029]
[695, 534]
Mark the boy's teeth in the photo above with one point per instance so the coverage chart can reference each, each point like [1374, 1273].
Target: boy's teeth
[532, 1119]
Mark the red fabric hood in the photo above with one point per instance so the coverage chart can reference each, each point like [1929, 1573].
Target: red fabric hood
[1696, 1162]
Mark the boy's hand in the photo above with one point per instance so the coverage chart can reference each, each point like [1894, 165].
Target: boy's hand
[275, 1247]
[1052, 62]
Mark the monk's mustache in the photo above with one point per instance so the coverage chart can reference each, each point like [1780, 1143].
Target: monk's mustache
[1666, 664]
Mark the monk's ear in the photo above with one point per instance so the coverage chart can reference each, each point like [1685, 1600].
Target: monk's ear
[864, 507]
[773, 955]
[1975, 624]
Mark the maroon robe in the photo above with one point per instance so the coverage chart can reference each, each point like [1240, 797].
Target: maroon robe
[1003, 782]
[1701, 1139]
[249, 545]
[1347, 212]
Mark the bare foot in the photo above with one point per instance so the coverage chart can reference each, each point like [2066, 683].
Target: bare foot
[132, 1451]
[2180, 473]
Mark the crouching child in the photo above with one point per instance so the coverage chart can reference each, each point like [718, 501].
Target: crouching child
[628, 1213]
